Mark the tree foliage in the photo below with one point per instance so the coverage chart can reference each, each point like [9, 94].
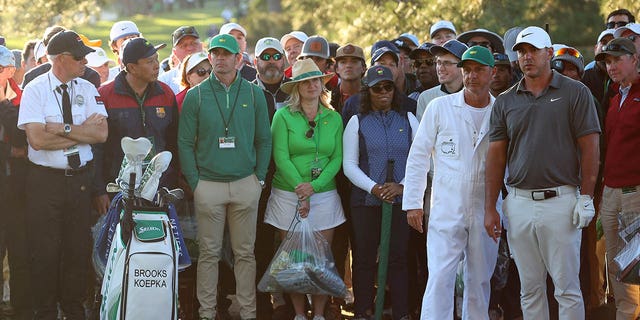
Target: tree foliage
[29, 18]
[362, 22]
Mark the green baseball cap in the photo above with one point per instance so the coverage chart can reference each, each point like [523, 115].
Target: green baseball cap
[478, 54]
[224, 41]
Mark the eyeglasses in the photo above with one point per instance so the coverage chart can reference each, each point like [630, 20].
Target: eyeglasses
[614, 24]
[418, 62]
[311, 131]
[485, 44]
[568, 51]
[616, 47]
[632, 38]
[202, 72]
[446, 64]
[76, 58]
[267, 56]
[387, 87]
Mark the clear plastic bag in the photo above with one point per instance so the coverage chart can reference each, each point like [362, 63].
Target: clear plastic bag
[303, 264]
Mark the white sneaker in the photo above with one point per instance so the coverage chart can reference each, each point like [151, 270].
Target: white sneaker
[151, 177]
[135, 150]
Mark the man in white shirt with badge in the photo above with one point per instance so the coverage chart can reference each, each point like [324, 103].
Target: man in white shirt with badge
[62, 115]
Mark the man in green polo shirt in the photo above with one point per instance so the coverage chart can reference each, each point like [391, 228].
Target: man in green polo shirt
[224, 141]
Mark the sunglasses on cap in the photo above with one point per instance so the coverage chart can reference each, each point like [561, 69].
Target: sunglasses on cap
[312, 126]
[268, 56]
[76, 58]
[569, 52]
[184, 31]
[202, 72]
[615, 48]
[485, 44]
[614, 24]
[380, 88]
[418, 62]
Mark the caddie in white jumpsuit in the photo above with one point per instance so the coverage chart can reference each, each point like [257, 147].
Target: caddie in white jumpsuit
[454, 130]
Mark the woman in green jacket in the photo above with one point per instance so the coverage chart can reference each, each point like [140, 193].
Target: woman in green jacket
[307, 150]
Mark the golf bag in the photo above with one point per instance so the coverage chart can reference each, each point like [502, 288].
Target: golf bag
[141, 275]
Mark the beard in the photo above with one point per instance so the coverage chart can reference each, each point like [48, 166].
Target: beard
[270, 73]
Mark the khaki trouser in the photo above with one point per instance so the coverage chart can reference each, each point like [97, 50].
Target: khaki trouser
[237, 203]
[614, 202]
[543, 239]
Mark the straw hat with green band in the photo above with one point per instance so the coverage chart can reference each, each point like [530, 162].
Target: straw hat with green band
[304, 70]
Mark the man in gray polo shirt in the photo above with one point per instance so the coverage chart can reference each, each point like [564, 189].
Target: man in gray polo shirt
[545, 130]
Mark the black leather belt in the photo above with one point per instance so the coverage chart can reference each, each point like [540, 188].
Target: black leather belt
[63, 172]
[543, 194]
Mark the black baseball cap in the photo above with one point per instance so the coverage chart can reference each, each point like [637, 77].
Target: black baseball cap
[452, 46]
[138, 48]
[183, 32]
[377, 74]
[68, 41]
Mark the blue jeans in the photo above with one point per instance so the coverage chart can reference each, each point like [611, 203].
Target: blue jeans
[366, 221]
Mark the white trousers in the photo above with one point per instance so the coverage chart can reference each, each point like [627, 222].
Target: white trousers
[544, 240]
[456, 231]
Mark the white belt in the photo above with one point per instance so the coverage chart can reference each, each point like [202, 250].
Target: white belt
[543, 194]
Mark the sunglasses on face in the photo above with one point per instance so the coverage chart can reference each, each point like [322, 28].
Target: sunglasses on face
[614, 24]
[485, 44]
[76, 58]
[500, 57]
[268, 56]
[418, 62]
[632, 38]
[311, 131]
[380, 88]
[202, 72]
[568, 51]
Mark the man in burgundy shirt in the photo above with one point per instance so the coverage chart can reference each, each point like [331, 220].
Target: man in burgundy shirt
[621, 195]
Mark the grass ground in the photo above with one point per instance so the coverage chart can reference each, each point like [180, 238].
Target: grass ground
[156, 27]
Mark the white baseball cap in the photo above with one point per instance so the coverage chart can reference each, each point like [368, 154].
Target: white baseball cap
[39, 50]
[442, 24]
[298, 35]
[268, 43]
[195, 59]
[227, 27]
[98, 58]
[534, 36]
[634, 27]
[122, 29]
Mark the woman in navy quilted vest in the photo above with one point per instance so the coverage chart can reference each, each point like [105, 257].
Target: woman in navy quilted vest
[380, 133]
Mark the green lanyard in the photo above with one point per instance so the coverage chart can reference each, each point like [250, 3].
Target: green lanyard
[235, 100]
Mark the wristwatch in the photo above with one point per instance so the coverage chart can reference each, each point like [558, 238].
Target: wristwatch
[261, 183]
[67, 129]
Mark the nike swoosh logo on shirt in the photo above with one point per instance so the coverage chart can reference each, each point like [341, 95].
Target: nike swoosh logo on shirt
[555, 99]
